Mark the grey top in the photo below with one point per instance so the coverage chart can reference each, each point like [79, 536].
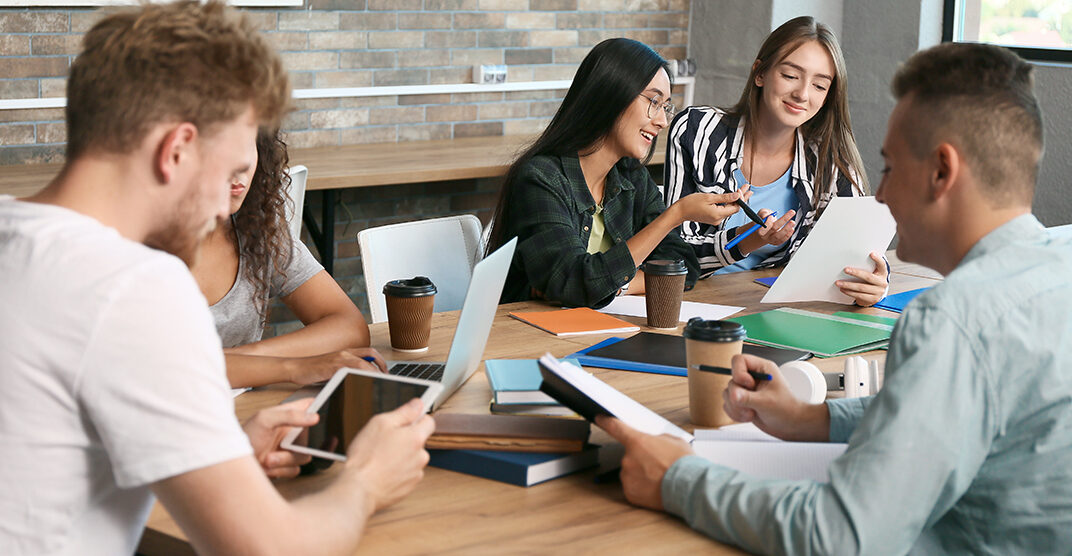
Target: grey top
[237, 320]
[967, 449]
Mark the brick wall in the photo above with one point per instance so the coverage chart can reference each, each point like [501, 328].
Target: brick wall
[365, 43]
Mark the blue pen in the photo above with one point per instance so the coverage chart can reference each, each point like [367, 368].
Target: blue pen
[369, 358]
[733, 242]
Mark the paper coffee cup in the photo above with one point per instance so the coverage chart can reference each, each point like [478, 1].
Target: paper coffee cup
[664, 283]
[409, 312]
[714, 343]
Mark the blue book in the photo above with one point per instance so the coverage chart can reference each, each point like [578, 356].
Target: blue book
[517, 468]
[769, 281]
[897, 302]
[517, 381]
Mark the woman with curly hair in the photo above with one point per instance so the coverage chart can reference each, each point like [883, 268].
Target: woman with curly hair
[251, 259]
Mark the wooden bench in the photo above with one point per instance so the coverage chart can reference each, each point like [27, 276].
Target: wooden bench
[371, 165]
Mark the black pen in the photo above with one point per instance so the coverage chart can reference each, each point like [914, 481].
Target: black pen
[751, 214]
[725, 371]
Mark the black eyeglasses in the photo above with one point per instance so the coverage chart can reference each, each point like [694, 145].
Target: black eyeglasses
[653, 105]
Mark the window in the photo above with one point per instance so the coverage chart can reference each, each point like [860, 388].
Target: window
[1035, 29]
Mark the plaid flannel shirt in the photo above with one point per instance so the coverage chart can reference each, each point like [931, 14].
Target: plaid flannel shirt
[550, 211]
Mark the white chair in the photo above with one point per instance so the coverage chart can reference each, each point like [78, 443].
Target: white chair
[296, 191]
[443, 249]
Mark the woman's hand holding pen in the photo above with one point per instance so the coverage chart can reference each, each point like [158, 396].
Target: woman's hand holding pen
[318, 368]
[776, 231]
[770, 405]
[709, 208]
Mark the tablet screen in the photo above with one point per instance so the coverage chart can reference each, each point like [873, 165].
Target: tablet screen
[353, 399]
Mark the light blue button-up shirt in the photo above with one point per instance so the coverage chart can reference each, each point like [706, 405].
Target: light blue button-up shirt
[968, 447]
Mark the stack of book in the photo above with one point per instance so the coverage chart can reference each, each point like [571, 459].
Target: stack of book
[515, 389]
[514, 449]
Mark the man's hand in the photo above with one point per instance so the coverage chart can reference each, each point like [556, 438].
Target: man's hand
[388, 454]
[873, 285]
[318, 368]
[266, 430]
[770, 405]
[647, 458]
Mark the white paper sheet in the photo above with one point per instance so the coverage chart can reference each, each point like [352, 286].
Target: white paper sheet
[772, 460]
[738, 431]
[849, 230]
[635, 306]
[235, 392]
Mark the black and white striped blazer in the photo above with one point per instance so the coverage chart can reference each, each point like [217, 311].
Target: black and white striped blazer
[704, 148]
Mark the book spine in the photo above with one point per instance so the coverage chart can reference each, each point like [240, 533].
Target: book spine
[474, 464]
[535, 445]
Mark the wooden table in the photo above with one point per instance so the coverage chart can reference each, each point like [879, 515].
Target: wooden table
[454, 513]
[334, 168]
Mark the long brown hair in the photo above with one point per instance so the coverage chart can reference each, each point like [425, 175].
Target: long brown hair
[609, 78]
[261, 222]
[830, 128]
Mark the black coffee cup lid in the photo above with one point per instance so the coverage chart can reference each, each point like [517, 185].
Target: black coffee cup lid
[664, 267]
[418, 286]
[713, 330]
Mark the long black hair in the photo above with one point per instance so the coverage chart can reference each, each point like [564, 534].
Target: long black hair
[610, 77]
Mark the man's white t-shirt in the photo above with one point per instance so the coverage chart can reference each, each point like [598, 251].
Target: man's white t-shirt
[111, 378]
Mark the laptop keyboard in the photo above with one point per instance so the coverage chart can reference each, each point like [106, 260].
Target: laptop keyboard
[426, 371]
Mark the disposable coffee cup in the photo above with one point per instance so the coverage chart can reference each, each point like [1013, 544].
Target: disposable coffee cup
[713, 343]
[664, 282]
[409, 313]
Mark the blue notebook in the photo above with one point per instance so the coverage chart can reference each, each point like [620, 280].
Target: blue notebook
[517, 381]
[897, 302]
[517, 468]
[769, 281]
[649, 352]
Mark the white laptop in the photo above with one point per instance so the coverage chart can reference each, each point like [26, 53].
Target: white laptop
[474, 325]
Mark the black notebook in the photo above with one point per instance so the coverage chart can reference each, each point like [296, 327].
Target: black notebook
[663, 354]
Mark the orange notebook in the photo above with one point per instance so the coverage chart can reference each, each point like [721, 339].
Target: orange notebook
[573, 322]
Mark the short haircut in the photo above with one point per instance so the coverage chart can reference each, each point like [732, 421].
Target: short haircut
[183, 62]
[979, 97]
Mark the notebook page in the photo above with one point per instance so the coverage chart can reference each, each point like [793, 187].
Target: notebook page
[636, 306]
[738, 431]
[772, 460]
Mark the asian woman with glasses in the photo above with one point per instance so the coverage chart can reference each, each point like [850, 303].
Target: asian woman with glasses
[582, 205]
[789, 141]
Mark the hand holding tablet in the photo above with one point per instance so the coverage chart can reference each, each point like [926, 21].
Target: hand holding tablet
[346, 404]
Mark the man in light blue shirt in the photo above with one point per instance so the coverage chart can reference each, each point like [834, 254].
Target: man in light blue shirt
[968, 448]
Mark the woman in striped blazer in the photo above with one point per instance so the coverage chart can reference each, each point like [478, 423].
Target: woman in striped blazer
[789, 140]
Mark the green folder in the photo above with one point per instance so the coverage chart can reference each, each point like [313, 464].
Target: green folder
[823, 335]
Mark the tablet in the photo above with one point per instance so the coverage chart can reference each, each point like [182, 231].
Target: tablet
[347, 402]
[591, 397]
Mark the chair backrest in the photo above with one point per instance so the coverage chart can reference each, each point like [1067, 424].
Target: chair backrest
[443, 249]
[296, 191]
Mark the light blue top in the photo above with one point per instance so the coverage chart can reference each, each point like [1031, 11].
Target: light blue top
[968, 447]
[778, 196]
